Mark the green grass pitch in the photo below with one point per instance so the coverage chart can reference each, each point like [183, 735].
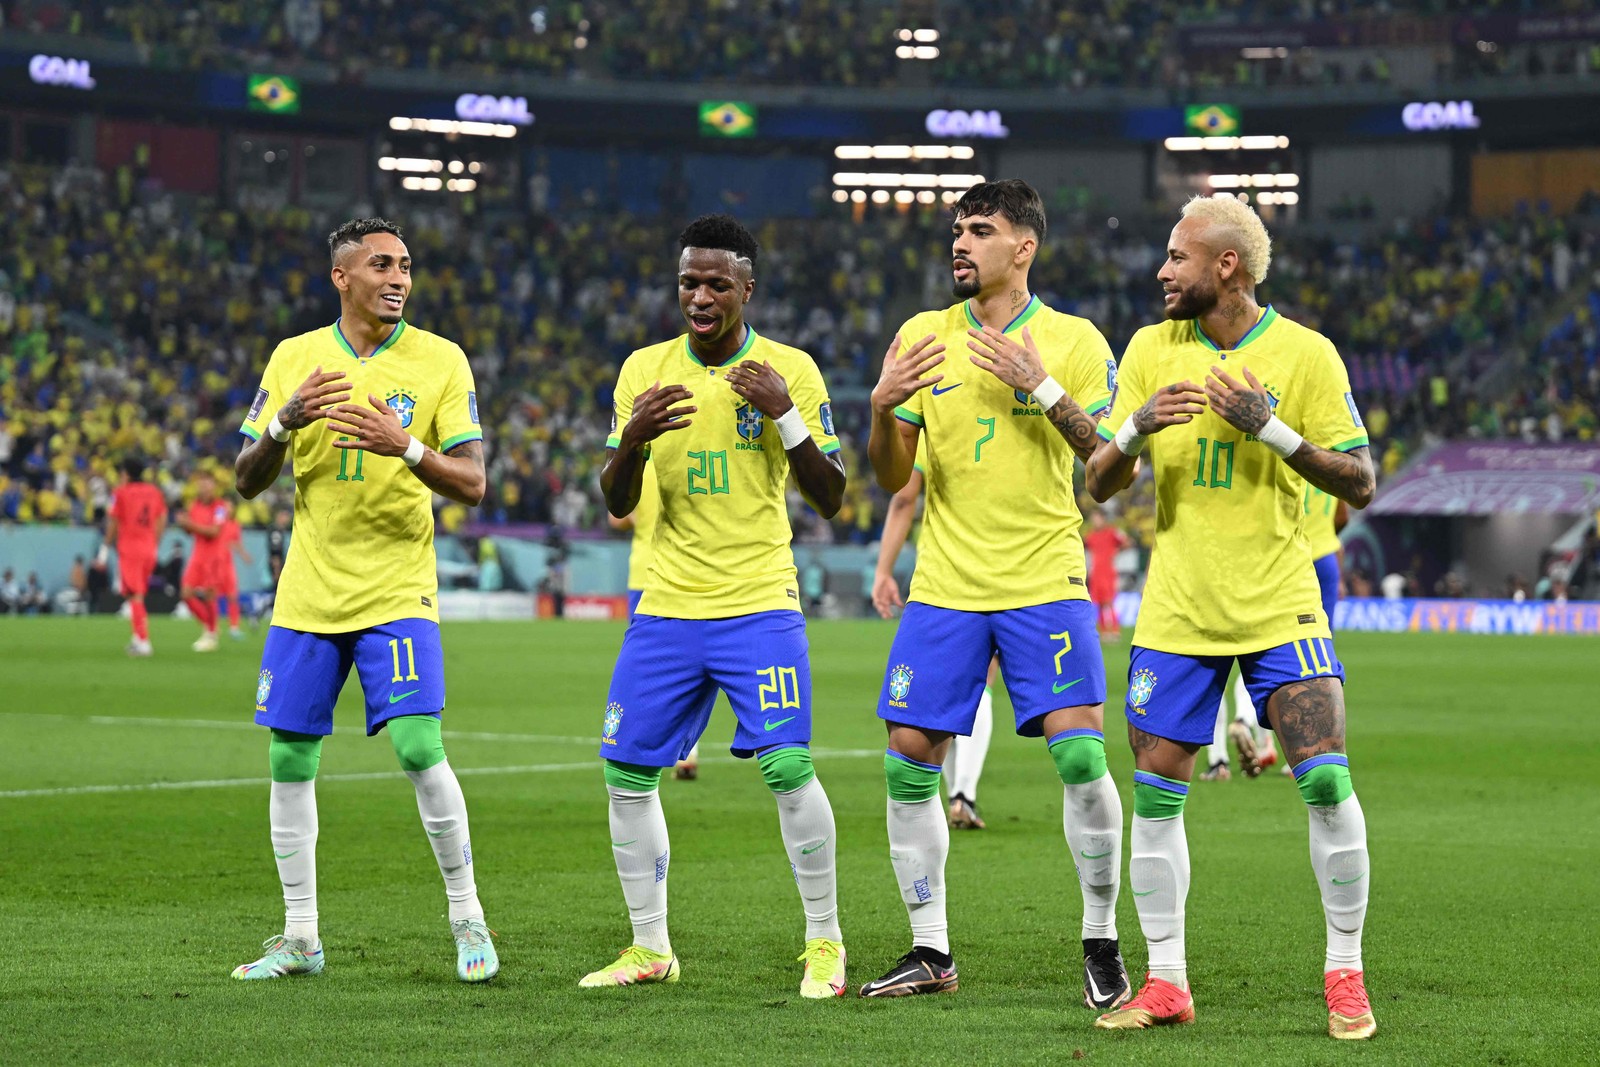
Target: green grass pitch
[1475, 759]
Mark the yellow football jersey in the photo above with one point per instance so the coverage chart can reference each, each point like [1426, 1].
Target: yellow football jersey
[1000, 523]
[362, 550]
[644, 530]
[1231, 569]
[1320, 508]
[722, 537]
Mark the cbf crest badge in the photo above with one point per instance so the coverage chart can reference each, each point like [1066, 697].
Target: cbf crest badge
[263, 688]
[613, 722]
[750, 421]
[899, 681]
[1140, 686]
[402, 404]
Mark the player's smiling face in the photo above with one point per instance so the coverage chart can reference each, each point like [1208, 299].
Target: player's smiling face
[1189, 276]
[375, 277]
[984, 252]
[713, 287]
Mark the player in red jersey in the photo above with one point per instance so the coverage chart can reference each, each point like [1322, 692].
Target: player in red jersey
[1103, 542]
[135, 520]
[227, 576]
[206, 519]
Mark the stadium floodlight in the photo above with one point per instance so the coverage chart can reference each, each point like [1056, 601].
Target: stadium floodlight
[840, 196]
[452, 127]
[904, 196]
[949, 197]
[858, 197]
[410, 164]
[927, 196]
[853, 151]
[460, 185]
[1253, 181]
[904, 151]
[1264, 53]
[880, 196]
[925, 36]
[1253, 143]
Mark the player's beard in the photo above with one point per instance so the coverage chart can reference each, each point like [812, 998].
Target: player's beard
[1193, 302]
[968, 288]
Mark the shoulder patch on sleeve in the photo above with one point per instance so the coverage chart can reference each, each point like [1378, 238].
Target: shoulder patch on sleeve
[825, 414]
[261, 400]
[472, 407]
[1355, 414]
[1111, 376]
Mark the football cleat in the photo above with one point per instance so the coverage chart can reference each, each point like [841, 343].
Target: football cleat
[824, 976]
[1349, 1010]
[206, 642]
[964, 814]
[476, 959]
[635, 966]
[136, 647]
[918, 971]
[1217, 772]
[1105, 977]
[284, 956]
[1245, 745]
[1159, 1003]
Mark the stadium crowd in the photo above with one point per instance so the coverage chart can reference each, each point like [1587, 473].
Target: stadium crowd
[1012, 44]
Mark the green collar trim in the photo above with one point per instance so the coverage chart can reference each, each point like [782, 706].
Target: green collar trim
[1269, 315]
[388, 342]
[749, 339]
[1028, 311]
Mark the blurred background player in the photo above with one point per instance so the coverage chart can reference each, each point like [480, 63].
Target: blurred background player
[1231, 579]
[228, 574]
[277, 552]
[361, 585]
[964, 766]
[206, 520]
[641, 523]
[1101, 543]
[1000, 568]
[721, 605]
[135, 520]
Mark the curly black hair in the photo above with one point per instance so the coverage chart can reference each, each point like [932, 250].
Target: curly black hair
[1012, 199]
[720, 231]
[353, 231]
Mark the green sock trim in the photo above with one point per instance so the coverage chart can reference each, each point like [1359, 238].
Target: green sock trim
[632, 776]
[294, 757]
[910, 783]
[786, 769]
[1325, 786]
[1079, 760]
[1158, 797]
[416, 741]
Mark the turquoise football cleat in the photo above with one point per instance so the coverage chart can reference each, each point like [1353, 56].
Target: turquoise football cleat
[284, 956]
[476, 960]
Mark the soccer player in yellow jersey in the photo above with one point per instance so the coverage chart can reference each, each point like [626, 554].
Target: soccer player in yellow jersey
[1000, 569]
[360, 585]
[1231, 577]
[723, 416]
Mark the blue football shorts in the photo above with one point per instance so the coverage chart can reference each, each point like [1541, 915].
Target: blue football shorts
[1328, 578]
[1049, 655]
[668, 673]
[400, 664]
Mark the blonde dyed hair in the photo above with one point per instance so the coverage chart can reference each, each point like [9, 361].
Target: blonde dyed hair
[1235, 225]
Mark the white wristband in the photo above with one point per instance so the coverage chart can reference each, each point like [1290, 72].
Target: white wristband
[1277, 436]
[413, 453]
[276, 431]
[1130, 440]
[792, 428]
[1048, 392]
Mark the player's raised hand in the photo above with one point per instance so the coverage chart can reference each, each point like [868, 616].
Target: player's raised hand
[654, 414]
[1244, 407]
[1172, 406]
[316, 398]
[886, 595]
[903, 372]
[376, 429]
[1018, 365]
[763, 387]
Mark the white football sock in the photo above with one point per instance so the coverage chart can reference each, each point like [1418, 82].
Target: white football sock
[639, 845]
[919, 841]
[1092, 818]
[1339, 858]
[444, 817]
[1158, 874]
[292, 811]
[965, 765]
[806, 820]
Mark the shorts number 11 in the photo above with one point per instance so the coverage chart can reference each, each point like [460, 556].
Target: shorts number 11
[411, 660]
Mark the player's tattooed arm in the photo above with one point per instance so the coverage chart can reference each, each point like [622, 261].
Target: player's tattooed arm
[457, 474]
[1021, 367]
[1308, 718]
[1110, 470]
[656, 411]
[261, 461]
[1075, 425]
[258, 465]
[1347, 475]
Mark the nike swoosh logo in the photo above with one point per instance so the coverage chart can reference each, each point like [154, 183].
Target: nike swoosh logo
[1063, 688]
[1146, 893]
[813, 848]
[285, 855]
[436, 833]
[624, 844]
[1096, 856]
[770, 725]
[940, 392]
[395, 698]
[1094, 987]
[1352, 881]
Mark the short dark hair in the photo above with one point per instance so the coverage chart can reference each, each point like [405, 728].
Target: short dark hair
[133, 467]
[720, 231]
[1013, 199]
[352, 233]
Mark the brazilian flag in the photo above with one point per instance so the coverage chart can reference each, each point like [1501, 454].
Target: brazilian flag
[274, 93]
[727, 118]
[1211, 120]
